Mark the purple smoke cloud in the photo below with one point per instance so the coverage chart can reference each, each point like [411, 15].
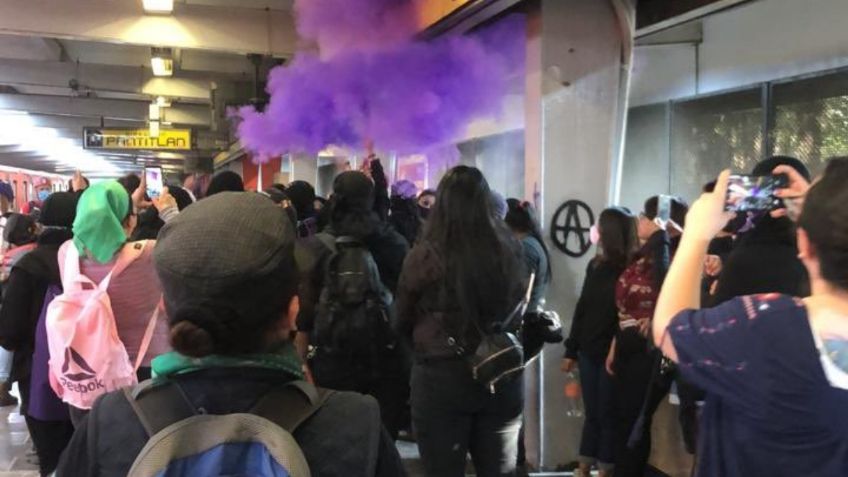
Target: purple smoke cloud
[405, 98]
[341, 25]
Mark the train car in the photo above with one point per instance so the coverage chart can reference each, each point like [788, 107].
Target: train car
[26, 183]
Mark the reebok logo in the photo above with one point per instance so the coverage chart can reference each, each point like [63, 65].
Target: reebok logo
[73, 381]
[72, 356]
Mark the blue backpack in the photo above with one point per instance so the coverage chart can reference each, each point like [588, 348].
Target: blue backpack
[185, 441]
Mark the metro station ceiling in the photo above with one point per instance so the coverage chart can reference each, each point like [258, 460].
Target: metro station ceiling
[51, 87]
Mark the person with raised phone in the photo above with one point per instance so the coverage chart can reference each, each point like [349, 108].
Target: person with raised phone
[774, 366]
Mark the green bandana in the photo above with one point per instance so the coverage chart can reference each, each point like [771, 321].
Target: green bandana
[284, 359]
[98, 228]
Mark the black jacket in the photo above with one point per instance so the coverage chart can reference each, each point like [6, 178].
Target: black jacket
[765, 260]
[428, 313]
[596, 315]
[405, 218]
[24, 298]
[336, 440]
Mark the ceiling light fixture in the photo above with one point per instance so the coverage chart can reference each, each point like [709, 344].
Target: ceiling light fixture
[162, 66]
[163, 102]
[159, 7]
[154, 129]
[154, 112]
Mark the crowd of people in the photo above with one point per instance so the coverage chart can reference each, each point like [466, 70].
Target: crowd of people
[153, 334]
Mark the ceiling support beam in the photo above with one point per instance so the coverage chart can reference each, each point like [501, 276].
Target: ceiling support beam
[109, 109]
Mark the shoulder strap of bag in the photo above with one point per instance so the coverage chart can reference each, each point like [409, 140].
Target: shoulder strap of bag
[328, 240]
[148, 334]
[521, 307]
[129, 253]
[158, 405]
[291, 405]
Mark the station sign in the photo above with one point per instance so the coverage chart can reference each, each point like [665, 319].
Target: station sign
[137, 139]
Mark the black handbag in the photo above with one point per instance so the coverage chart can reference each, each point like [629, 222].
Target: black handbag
[500, 355]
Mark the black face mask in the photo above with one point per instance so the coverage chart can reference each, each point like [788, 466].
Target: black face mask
[424, 212]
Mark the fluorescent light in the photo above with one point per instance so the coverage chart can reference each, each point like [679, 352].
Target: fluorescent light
[154, 112]
[154, 129]
[158, 6]
[162, 66]
[163, 102]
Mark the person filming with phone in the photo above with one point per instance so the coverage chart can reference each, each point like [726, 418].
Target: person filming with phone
[774, 366]
[764, 257]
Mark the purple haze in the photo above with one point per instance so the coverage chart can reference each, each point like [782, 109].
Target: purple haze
[407, 98]
[342, 25]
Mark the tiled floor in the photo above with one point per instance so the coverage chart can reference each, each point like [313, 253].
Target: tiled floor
[15, 446]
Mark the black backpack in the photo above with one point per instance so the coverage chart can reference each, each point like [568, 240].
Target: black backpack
[353, 320]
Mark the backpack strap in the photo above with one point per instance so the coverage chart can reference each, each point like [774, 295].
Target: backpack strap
[158, 405]
[148, 334]
[291, 405]
[129, 253]
[328, 240]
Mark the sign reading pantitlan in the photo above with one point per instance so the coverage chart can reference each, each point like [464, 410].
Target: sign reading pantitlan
[136, 139]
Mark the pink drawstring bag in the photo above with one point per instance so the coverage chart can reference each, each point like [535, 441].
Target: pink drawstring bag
[87, 357]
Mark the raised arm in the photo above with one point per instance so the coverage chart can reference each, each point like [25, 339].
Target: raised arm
[682, 287]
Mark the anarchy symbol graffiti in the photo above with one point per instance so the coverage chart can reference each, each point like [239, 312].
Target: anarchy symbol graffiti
[571, 228]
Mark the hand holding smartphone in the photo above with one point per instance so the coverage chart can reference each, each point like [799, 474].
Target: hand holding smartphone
[155, 181]
[747, 193]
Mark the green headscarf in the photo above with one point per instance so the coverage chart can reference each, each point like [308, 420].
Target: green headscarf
[98, 227]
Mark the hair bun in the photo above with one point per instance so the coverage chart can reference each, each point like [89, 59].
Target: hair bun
[191, 340]
[203, 329]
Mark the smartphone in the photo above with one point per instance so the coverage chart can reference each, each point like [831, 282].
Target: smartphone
[155, 181]
[754, 193]
[664, 210]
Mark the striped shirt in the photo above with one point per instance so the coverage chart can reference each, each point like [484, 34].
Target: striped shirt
[134, 294]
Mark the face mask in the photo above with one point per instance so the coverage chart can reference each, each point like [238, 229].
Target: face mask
[43, 194]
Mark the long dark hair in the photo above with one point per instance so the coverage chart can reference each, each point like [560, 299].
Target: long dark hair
[483, 265]
[619, 240]
[521, 218]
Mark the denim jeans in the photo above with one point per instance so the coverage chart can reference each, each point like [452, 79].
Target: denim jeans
[598, 442]
[453, 416]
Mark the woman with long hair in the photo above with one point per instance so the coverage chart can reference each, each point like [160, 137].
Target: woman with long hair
[635, 366]
[594, 325]
[465, 274]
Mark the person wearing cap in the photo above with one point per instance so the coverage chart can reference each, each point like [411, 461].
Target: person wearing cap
[46, 416]
[106, 217]
[765, 258]
[351, 214]
[232, 313]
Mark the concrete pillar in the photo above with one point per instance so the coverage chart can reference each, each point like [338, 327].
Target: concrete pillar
[578, 68]
[304, 168]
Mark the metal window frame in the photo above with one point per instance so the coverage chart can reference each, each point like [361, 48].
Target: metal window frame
[767, 104]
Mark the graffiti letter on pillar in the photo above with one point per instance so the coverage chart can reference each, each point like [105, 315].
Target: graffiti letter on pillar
[571, 228]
